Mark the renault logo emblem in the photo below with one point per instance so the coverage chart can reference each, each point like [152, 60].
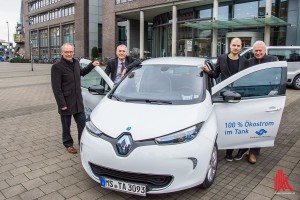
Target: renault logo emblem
[124, 144]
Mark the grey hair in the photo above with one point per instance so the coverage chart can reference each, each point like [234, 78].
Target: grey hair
[64, 45]
[122, 45]
[259, 42]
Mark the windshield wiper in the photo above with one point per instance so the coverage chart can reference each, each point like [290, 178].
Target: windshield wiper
[116, 97]
[151, 101]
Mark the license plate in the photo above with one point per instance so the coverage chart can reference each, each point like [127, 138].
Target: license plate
[122, 186]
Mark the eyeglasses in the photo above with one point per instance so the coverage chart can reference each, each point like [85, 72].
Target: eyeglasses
[68, 52]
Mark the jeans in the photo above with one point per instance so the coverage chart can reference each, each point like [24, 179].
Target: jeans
[66, 124]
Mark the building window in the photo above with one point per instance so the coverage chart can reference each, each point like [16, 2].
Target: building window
[223, 13]
[122, 35]
[34, 43]
[68, 33]
[43, 44]
[54, 42]
[34, 5]
[246, 10]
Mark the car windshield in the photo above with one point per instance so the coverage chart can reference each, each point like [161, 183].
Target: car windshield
[161, 84]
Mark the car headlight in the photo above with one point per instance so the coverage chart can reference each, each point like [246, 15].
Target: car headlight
[182, 136]
[92, 129]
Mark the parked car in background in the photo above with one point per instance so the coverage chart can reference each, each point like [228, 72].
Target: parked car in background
[1, 59]
[290, 54]
[160, 128]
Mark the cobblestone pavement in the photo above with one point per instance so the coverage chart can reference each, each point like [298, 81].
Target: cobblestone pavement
[35, 165]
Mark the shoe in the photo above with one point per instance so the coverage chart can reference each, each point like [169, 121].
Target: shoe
[229, 157]
[241, 154]
[251, 158]
[71, 149]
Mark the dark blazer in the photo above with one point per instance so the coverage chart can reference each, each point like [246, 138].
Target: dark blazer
[267, 58]
[65, 80]
[112, 66]
[221, 67]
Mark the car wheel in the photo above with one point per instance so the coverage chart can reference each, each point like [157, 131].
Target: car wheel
[296, 82]
[212, 168]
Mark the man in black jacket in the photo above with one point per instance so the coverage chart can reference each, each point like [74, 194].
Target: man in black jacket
[228, 65]
[119, 66]
[65, 80]
[259, 51]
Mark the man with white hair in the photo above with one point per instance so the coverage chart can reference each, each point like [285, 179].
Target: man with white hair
[119, 66]
[259, 51]
[65, 80]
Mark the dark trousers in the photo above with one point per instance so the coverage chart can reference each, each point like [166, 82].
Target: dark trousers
[254, 151]
[66, 124]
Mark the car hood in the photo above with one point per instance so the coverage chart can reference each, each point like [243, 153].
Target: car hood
[146, 121]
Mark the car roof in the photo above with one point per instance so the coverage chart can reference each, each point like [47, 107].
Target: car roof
[190, 61]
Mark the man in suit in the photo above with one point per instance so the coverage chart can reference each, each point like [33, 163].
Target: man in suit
[65, 80]
[119, 66]
[228, 65]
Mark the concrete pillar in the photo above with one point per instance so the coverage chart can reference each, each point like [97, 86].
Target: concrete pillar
[128, 35]
[174, 30]
[215, 30]
[142, 34]
[267, 34]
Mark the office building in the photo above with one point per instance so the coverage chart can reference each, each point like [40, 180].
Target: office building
[50, 23]
[196, 27]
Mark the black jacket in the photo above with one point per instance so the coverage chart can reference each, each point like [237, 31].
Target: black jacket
[267, 58]
[65, 80]
[112, 66]
[222, 67]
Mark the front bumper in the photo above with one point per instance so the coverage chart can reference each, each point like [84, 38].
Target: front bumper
[178, 166]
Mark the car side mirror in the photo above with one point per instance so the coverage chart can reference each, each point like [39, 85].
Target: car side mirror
[96, 90]
[231, 96]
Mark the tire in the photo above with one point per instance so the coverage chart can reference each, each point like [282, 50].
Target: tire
[212, 168]
[296, 82]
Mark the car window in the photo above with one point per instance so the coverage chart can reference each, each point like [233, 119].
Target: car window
[262, 83]
[295, 57]
[282, 54]
[178, 84]
[92, 78]
[249, 54]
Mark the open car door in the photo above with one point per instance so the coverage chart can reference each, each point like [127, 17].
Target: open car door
[249, 106]
[94, 86]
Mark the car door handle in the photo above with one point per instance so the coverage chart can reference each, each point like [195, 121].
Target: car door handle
[273, 108]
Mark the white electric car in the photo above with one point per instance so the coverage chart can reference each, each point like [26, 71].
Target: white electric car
[160, 128]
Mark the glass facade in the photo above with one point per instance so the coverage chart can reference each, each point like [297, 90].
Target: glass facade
[34, 44]
[43, 44]
[197, 42]
[54, 42]
[68, 32]
[53, 14]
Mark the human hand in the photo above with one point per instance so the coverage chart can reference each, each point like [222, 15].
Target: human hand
[95, 63]
[64, 108]
[205, 68]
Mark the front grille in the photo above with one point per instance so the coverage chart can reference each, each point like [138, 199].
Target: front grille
[152, 181]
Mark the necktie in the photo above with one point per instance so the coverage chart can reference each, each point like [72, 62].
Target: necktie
[123, 67]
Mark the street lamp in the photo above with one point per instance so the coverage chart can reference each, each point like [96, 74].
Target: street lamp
[8, 39]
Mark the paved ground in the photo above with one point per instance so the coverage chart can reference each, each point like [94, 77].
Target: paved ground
[35, 165]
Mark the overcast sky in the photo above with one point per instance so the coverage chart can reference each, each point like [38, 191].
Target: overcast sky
[9, 12]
